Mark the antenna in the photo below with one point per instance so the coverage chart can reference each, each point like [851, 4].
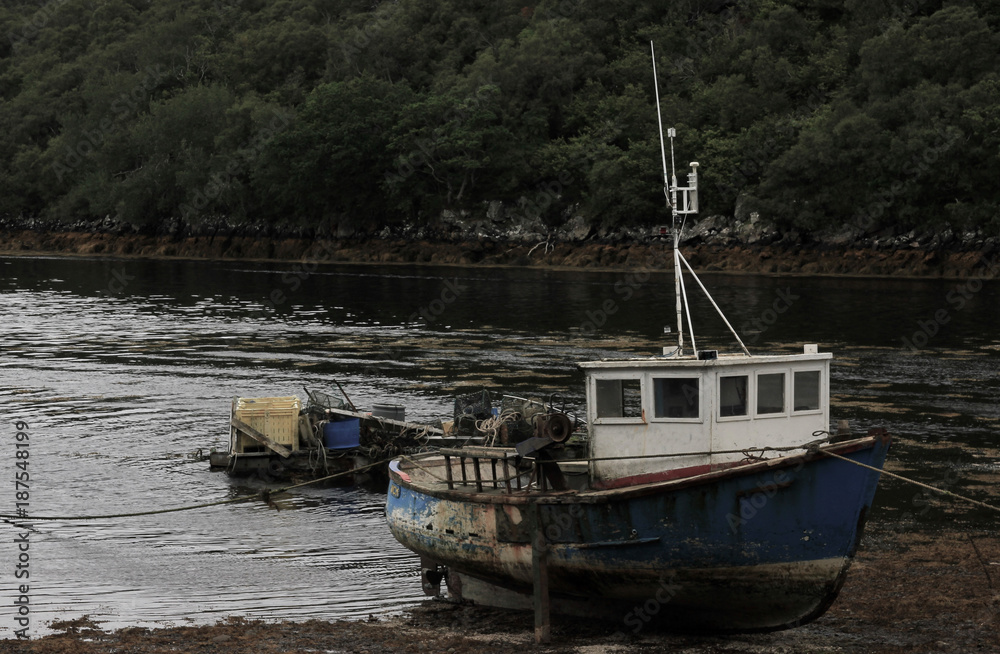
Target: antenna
[688, 206]
[670, 191]
[659, 124]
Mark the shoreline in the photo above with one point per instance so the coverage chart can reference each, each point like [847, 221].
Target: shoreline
[907, 591]
[590, 255]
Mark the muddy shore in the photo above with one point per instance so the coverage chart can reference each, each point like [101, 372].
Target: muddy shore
[909, 261]
[908, 591]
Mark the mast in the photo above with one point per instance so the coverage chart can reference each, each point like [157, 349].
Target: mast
[682, 201]
[672, 205]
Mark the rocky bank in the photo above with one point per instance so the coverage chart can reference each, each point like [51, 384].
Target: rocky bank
[714, 243]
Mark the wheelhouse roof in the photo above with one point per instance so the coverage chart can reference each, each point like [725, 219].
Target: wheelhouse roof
[691, 362]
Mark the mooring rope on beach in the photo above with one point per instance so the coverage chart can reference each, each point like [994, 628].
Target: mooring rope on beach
[264, 495]
[912, 481]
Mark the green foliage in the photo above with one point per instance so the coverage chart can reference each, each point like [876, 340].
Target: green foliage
[458, 151]
[331, 160]
[816, 113]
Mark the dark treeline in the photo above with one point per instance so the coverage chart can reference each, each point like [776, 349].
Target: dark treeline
[301, 114]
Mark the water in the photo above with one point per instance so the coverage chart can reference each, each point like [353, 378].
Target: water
[124, 369]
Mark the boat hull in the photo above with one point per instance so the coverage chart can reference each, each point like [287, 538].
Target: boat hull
[756, 547]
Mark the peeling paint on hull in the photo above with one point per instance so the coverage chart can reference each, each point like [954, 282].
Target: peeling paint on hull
[763, 546]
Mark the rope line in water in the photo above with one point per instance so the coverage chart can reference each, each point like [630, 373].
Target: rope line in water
[915, 482]
[263, 495]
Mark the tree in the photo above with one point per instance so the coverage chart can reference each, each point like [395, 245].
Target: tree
[451, 151]
[331, 160]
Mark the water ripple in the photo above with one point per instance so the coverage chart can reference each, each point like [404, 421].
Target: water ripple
[120, 390]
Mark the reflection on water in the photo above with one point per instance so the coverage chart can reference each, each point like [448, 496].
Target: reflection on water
[125, 368]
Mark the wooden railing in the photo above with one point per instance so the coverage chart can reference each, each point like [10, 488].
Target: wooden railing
[502, 455]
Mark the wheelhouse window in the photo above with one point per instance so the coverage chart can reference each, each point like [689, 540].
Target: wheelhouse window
[619, 398]
[733, 396]
[806, 393]
[676, 397]
[771, 393]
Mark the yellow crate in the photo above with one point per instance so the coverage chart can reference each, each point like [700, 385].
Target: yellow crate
[275, 417]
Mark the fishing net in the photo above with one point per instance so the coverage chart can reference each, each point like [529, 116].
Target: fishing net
[477, 405]
[469, 409]
[323, 401]
[384, 441]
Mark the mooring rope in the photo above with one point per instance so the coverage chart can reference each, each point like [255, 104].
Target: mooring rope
[491, 426]
[812, 446]
[263, 495]
[913, 481]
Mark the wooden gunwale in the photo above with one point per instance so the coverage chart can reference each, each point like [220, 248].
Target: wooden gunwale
[640, 490]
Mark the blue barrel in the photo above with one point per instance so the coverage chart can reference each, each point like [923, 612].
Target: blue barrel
[342, 434]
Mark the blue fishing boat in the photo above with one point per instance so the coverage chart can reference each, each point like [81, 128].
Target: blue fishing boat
[705, 491]
[753, 546]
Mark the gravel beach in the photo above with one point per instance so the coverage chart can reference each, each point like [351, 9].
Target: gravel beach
[917, 591]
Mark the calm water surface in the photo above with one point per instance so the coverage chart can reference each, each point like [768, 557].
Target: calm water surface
[124, 369]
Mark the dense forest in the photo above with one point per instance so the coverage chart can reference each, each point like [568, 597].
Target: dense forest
[302, 114]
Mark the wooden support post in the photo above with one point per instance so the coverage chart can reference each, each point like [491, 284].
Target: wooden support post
[465, 478]
[259, 437]
[447, 472]
[479, 474]
[540, 579]
[305, 430]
